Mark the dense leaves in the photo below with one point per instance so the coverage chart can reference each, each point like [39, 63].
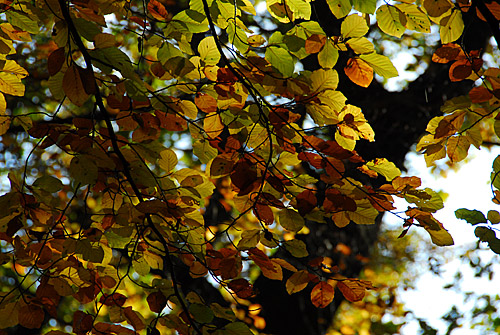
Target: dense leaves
[163, 145]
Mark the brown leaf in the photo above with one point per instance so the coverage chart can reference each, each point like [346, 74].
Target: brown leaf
[156, 301]
[241, 287]
[31, 316]
[55, 61]
[73, 85]
[157, 10]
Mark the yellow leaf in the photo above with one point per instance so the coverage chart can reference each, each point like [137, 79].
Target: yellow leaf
[364, 214]
[11, 84]
[339, 8]
[385, 168]
[328, 56]
[361, 45]
[5, 120]
[388, 20]
[440, 237]
[297, 282]
[213, 125]
[380, 64]
[208, 51]
[353, 26]
[11, 66]
[323, 79]
[415, 19]
[168, 160]
[290, 220]
[451, 27]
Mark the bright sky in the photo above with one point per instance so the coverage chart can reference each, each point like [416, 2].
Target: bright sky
[467, 188]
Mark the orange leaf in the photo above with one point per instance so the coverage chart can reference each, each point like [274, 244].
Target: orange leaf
[213, 125]
[157, 10]
[322, 294]
[206, 103]
[354, 289]
[360, 72]
[315, 43]
[493, 7]
[447, 53]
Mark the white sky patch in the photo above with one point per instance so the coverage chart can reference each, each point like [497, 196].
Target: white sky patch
[468, 187]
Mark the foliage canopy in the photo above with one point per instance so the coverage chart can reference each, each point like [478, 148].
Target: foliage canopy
[155, 141]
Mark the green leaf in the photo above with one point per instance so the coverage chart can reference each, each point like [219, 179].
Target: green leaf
[380, 64]
[365, 6]
[204, 151]
[201, 313]
[281, 60]
[389, 20]
[23, 21]
[83, 170]
[237, 328]
[297, 248]
[291, 220]
[49, 184]
[471, 216]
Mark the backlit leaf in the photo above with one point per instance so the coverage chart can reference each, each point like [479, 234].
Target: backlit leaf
[360, 72]
[328, 56]
[296, 247]
[353, 26]
[322, 294]
[168, 160]
[281, 60]
[384, 167]
[451, 27]
[73, 85]
[297, 282]
[339, 8]
[290, 220]
[380, 64]
[208, 51]
[389, 20]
